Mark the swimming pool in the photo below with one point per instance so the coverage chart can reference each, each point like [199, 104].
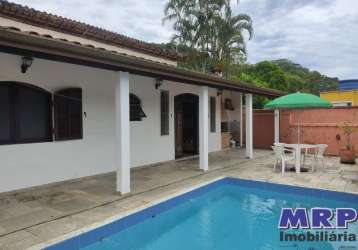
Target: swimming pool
[228, 214]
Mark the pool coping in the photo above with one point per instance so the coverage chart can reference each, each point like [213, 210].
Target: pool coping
[111, 219]
[140, 213]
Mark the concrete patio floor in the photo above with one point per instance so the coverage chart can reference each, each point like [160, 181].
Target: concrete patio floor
[35, 217]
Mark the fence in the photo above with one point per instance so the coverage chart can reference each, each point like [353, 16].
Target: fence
[319, 126]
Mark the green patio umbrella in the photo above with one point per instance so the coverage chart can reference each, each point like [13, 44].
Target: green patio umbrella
[298, 101]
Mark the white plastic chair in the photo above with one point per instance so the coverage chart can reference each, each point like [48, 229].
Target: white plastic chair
[281, 156]
[318, 155]
[321, 148]
[309, 153]
[292, 151]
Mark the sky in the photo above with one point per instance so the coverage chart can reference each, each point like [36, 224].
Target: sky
[321, 35]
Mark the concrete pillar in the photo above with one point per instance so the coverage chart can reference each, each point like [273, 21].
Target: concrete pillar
[204, 128]
[122, 147]
[241, 120]
[277, 126]
[249, 128]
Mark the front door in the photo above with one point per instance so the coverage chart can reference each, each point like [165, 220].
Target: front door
[186, 125]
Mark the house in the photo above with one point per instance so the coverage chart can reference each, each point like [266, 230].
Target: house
[345, 96]
[77, 100]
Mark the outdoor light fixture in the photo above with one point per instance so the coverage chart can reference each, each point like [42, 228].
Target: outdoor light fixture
[26, 63]
[158, 83]
[220, 92]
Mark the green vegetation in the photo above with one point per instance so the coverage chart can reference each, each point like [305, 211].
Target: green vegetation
[211, 38]
[208, 33]
[283, 75]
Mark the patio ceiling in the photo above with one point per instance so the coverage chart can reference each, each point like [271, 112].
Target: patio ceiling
[18, 42]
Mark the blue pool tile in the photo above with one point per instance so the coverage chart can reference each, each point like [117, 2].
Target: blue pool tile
[100, 234]
[70, 244]
[326, 194]
[103, 245]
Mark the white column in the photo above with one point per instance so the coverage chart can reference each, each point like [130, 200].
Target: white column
[240, 120]
[277, 126]
[249, 128]
[204, 128]
[122, 147]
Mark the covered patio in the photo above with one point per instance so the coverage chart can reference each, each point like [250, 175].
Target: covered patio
[36, 216]
[107, 134]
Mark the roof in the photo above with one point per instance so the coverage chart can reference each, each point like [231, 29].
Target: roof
[349, 80]
[338, 91]
[351, 84]
[42, 46]
[42, 19]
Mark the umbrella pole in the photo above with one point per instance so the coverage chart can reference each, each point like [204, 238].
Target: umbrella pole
[298, 126]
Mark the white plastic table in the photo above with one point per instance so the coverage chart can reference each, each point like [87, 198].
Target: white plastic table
[298, 149]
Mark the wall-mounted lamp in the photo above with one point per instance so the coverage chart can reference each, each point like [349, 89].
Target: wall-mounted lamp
[158, 83]
[220, 92]
[26, 63]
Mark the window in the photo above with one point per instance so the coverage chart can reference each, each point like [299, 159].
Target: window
[164, 112]
[135, 108]
[342, 104]
[25, 114]
[212, 114]
[68, 114]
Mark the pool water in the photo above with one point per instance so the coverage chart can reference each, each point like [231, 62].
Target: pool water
[234, 215]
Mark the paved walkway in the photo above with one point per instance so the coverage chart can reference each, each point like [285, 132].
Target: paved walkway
[40, 215]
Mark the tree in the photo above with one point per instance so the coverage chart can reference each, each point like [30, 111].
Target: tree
[272, 74]
[282, 75]
[231, 43]
[178, 12]
[286, 76]
[264, 74]
[305, 80]
[208, 27]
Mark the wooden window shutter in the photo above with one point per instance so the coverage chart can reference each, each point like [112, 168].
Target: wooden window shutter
[25, 113]
[136, 112]
[68, 114]
[212, 114]
[164, 112]
[6, 115]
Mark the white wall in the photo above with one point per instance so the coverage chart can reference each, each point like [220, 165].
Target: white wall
[26, 165]
[146, 140]
[233, 115]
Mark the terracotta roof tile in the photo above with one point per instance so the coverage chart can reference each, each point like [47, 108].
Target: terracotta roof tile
[9, 33]
[34, 17]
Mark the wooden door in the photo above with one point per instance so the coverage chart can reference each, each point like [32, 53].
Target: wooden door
[263, 128]
[178, 129]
